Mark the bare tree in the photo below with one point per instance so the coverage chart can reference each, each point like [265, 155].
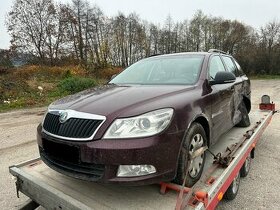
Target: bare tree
[28, 24]
[81, 31]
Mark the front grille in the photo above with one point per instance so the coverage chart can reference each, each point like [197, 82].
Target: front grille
[66, 158]
[72, 128]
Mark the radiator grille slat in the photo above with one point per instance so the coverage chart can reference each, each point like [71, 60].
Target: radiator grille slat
[72, 128]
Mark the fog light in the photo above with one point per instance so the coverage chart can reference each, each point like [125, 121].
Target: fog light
[135, 170]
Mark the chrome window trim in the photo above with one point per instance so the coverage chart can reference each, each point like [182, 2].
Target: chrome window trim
[75, 114]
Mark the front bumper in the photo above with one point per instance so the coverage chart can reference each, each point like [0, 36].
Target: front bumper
[99, 160]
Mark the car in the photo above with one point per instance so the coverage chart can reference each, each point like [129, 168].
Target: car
[153, 122]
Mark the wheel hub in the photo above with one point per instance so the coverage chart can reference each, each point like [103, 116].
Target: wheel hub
[195, 163]
[235, 183]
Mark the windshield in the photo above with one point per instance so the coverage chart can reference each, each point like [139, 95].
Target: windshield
[164, 70]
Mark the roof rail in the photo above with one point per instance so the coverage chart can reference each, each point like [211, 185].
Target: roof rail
[216, 51]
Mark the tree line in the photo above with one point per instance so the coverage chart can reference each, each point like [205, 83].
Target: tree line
[57, 33]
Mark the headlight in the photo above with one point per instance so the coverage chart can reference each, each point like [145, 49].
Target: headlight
[141, 126]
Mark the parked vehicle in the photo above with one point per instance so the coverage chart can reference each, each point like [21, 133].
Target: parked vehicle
[150, 123]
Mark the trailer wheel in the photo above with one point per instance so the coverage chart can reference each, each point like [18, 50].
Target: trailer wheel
[233, 188]
[246, 167]
[188, 167]
[245, 120]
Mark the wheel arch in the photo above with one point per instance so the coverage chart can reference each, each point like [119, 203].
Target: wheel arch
[203, 121]
[247, 103]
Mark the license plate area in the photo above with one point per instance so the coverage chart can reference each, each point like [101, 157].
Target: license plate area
[61, 152]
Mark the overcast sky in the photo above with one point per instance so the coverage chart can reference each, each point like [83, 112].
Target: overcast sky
[252, 12]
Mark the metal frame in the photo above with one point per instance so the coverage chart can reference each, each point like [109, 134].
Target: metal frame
[42, 193]
[206, 194]
[223, 182]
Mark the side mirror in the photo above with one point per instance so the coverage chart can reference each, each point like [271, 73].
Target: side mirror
[223, 77]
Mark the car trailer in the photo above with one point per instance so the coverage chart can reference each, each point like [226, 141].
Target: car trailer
[226, 162]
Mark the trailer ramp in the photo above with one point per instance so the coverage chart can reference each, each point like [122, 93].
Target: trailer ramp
[53, 190]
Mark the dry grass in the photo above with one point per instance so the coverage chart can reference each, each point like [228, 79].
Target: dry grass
[33, 85]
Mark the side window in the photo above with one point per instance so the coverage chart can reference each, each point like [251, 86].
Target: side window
[240, 71]
[230, 65]
[215, 66]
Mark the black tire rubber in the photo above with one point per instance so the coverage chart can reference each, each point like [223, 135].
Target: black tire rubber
[245, 120]
[183, 163]
[244, 171]
[232, 191]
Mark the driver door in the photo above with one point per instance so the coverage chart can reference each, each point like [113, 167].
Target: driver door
[222, 100]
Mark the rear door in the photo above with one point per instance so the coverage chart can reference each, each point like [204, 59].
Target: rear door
[221, 96]
[246, 82]
[234, 113]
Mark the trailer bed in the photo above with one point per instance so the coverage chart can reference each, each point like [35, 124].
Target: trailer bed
[53, 190]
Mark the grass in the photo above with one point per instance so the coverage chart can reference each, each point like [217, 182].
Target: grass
[37, 86]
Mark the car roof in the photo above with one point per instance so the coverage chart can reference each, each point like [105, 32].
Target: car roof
[188, 53]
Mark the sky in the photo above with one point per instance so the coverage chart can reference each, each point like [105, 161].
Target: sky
[251, 12]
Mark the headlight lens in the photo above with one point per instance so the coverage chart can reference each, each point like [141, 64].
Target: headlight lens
[141, 126]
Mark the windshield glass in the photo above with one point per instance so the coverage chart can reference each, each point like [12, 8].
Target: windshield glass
[164, 70]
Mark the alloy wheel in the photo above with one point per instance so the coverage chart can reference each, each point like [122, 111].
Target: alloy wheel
[195, 164]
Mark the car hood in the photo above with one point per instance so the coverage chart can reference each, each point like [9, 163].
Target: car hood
[119, 100]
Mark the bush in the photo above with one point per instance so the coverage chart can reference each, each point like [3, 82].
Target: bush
[107, 73]
[76, 84]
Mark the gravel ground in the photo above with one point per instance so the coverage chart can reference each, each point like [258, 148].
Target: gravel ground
[259, 190]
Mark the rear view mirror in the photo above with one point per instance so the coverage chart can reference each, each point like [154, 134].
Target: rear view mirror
[223, 77]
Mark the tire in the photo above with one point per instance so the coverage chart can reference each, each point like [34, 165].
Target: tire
[233, 188]
[244, 171]
[194, 139]
[245, 120]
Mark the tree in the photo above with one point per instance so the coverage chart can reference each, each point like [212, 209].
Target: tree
[80, 32]
[31, 24]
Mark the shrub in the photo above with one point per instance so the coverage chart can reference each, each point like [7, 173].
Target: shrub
[107, 73]
[76, 84]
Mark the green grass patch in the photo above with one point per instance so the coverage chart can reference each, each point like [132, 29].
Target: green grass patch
[76, 84]
[20, 95]
[37, 86]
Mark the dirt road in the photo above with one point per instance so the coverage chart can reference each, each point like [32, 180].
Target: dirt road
[259, 190]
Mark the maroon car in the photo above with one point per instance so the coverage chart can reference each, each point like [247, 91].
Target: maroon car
[151, 123]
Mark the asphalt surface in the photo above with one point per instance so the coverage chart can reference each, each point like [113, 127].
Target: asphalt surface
[259, 190]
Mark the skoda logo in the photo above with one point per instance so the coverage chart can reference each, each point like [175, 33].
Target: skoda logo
[63, 117]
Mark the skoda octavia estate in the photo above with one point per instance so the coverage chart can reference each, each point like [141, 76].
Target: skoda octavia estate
[153, 122]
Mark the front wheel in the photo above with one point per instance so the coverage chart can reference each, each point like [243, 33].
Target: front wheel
[192, 156]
